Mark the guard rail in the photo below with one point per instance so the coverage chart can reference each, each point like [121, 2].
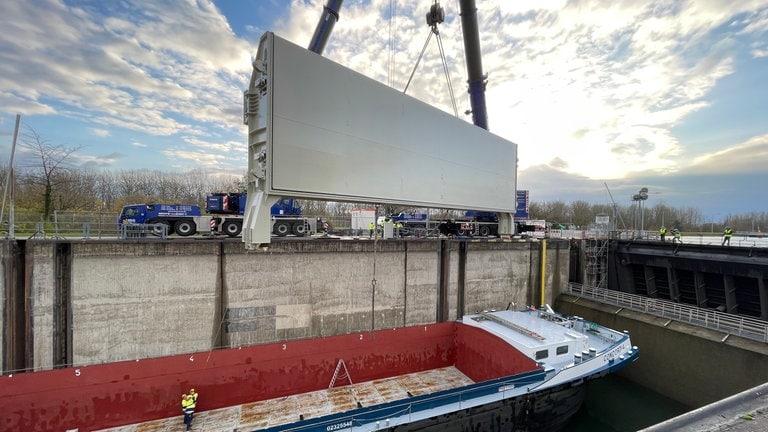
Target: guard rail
[746, 327]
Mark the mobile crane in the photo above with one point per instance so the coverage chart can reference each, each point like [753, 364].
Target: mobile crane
[224, 215]
[486, 223]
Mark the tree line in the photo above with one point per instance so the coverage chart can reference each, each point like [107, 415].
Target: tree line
[107, 191]
[650, 218]
[46, 182]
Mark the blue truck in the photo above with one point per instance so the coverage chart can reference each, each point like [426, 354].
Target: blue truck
[223, 215]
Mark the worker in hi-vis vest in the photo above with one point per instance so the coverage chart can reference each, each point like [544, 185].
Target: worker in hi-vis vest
[727, 236]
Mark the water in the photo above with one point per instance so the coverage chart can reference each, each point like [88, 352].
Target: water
[615, 404]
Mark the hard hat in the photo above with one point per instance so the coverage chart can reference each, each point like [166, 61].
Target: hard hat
[727, 227]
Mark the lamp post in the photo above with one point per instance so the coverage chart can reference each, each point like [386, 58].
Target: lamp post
[640, 197]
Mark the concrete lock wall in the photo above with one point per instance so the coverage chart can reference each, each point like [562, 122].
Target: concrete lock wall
[136, 300]
[4, 324]
[299, 290]
[495, 279]
[13, 308]
[693, 365]
[102, 300]
[40, 280]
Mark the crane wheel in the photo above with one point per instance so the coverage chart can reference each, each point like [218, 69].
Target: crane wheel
[185, 228]
[299, 229]
[232, 229]
[281, 228]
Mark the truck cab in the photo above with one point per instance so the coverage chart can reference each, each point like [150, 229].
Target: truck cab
[166, 217]
[286, 207]
[131, 214]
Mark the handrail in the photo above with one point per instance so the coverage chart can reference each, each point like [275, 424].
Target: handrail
[746, 327]
[493, 390]
[512, 326]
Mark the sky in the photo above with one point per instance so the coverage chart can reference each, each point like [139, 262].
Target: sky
[602, 97]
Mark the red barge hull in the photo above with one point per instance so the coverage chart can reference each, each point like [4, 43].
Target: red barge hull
[108, 395]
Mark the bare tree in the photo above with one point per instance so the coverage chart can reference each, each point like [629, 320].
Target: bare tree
[106, 190]
[79, 193]
[49, 166]
[581, 213]
[555, 211]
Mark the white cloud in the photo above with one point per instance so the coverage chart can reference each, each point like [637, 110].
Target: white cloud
[598, 85]
[200, 159]
[228, 148]
[102, 133]
[746, 157]
[154, 67]
[97, 161]
[589, 89]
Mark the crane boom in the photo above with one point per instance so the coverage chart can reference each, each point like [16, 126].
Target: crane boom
[325, 26]
[476, 79]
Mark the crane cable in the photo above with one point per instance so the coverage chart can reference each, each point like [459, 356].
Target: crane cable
[373, 277]
[392, 42]
[436, 16]
[447, 75]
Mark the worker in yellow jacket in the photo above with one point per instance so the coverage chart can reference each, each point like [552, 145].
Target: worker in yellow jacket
[727, 236]
[188, 408]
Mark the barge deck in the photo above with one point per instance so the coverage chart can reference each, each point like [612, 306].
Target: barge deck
[277, 411]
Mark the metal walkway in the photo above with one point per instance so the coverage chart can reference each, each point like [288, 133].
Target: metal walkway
[746, 327]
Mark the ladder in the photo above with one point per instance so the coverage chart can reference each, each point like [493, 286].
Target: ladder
[341, 372]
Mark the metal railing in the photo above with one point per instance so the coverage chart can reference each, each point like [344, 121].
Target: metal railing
[62, 224]
[746, 327]
[133, 231]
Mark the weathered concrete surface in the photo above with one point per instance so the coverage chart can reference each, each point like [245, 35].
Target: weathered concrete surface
[100, 300]
[743, 412]
[4, 324]
[14, 308]
[299, 290]
[40, 278]
[136, 300]
[693, 365]
[494, 279]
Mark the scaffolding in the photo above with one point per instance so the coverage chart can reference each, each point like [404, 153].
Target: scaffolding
[596, 259]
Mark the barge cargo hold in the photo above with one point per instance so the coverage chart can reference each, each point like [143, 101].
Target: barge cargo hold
[493, 371]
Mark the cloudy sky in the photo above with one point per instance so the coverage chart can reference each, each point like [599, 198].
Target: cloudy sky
[668, 95]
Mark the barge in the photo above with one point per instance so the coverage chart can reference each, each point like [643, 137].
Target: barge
[496, 370]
